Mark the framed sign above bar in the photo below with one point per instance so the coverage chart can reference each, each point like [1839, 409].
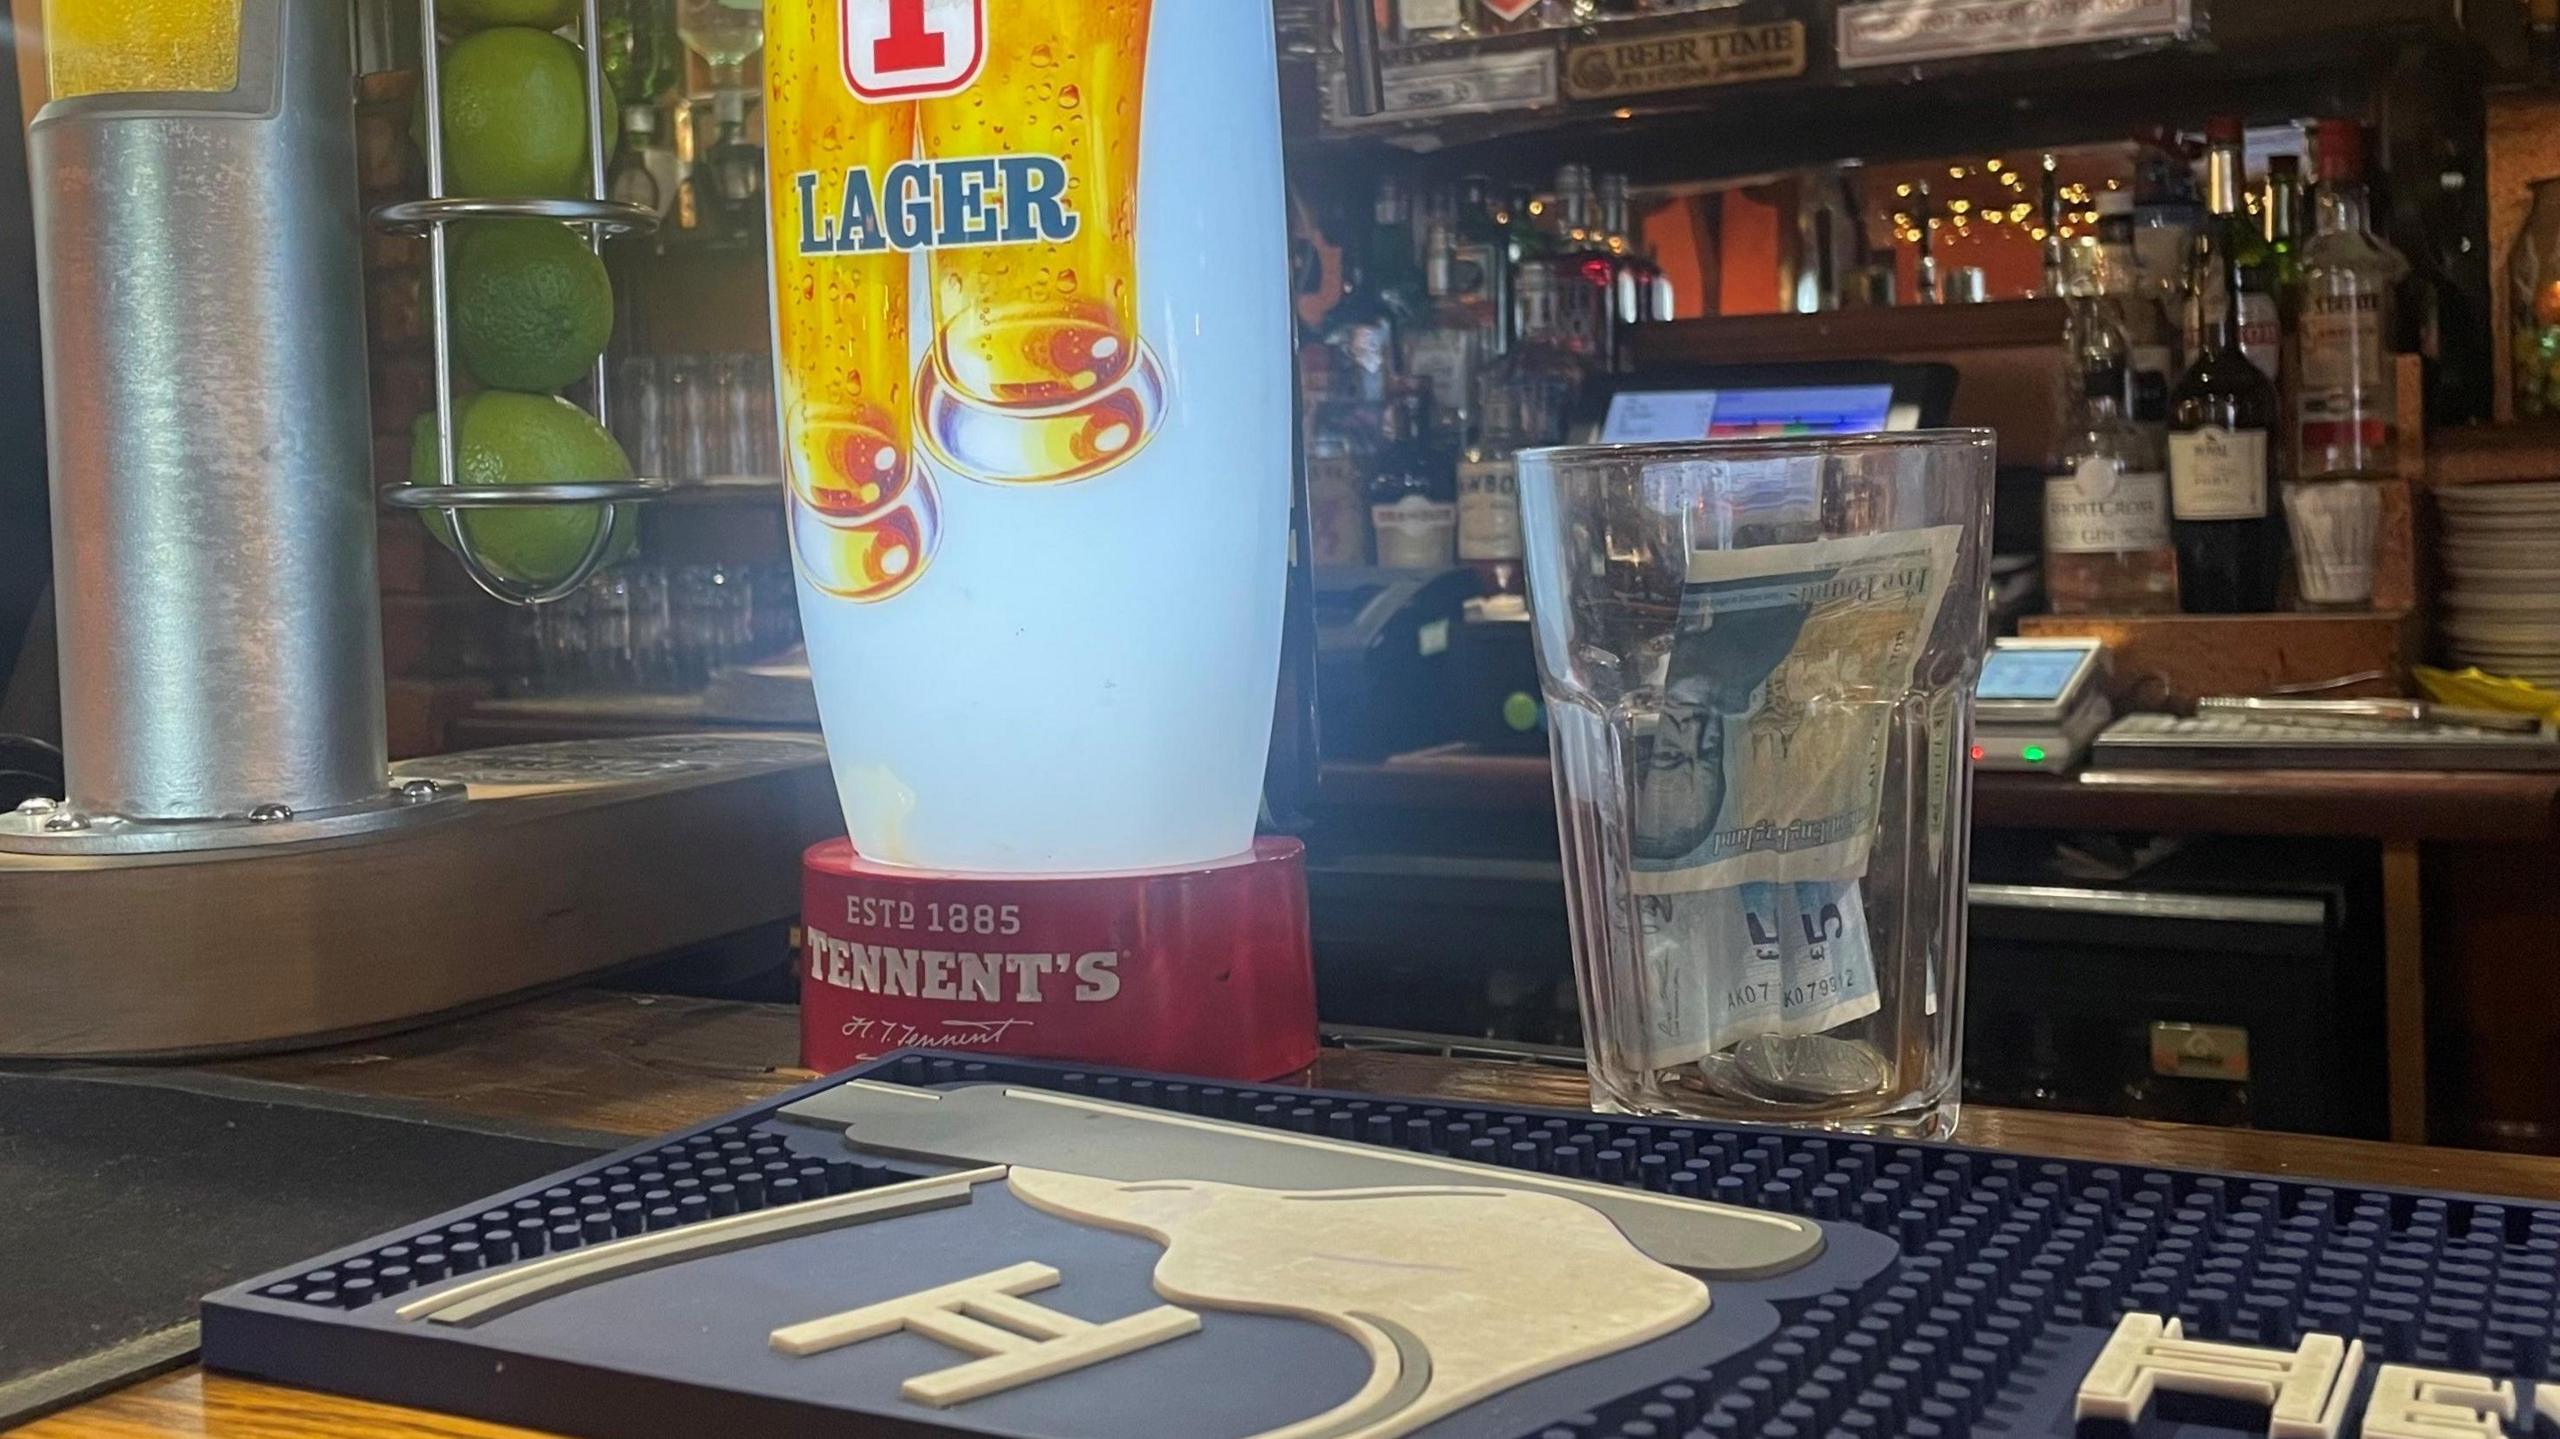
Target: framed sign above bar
[1907, 32]
[1686, 59]
[1432, 88]
[1475, 85]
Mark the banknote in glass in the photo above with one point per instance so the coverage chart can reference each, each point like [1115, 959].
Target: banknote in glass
[1757, 794]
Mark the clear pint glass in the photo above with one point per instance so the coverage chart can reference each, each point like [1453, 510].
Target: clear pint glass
[1759, 658]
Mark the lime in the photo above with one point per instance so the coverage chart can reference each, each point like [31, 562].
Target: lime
[515, 115]
[515, 439]
[532, 306]
[475, 14]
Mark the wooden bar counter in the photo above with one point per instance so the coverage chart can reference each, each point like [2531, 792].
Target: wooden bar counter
[638, 1065]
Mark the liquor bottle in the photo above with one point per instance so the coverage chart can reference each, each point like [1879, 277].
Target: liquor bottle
[1382, 297]
[1639, 290]
[1626, 305]
[1581, 265]
[1361, 331]
[2115, 275]
[2346, 405]
[2229, 537]
[2167, 212]
[1412, 507]
[1337, 508]
[1924, 220]
[1393, 255]
[1570, 220]
[1527, 399]
[2233, 244]
[2347, 409]
[2058, 278]
[2280, 219]
[1656, 301]
[1445, 347]
[1467, 274]
[2106, 500]
[1480, 263]
[2280, 215]
[642, 58]
[644, 171]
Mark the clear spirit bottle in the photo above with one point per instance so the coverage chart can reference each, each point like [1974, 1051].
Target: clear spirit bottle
[2106, 496]
[2345, 400]
[1527, 399]
[2346, 409]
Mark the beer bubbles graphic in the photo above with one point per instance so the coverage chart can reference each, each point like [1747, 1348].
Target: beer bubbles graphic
[1040, 508]
[1038, 373]
[863, 512]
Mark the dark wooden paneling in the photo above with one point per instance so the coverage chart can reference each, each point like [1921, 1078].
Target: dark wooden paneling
[2493, 941]
[1892, 332]
[2477, 807]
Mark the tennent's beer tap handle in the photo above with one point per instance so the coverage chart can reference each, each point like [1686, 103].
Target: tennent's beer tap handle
[1033, 336]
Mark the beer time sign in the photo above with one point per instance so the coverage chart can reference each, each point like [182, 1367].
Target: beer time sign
[1687, 59]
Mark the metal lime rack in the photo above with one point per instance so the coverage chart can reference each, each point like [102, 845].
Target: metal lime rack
[429, 217]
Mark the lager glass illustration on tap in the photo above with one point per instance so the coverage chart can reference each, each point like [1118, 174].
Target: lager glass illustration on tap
[1037, 372]
[1031, 313]
[862, 511]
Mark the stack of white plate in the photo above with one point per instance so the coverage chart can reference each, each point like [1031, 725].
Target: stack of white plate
[2502, 555]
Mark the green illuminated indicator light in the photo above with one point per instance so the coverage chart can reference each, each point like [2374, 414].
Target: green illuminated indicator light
[1520, 712]
[2032, 754]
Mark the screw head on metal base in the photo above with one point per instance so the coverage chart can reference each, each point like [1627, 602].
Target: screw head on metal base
[45, 826]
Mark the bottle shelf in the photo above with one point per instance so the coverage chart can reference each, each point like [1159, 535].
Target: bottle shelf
[1438, 100]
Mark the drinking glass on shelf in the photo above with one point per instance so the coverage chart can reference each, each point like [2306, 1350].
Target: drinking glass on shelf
[715, 413]
[520, 666]
[610, 663]
[692, 408]
[648, 628]
[653, 656]
[694, 606]
[737, 615]
[755, 430]
[565, 642]
[640, 414]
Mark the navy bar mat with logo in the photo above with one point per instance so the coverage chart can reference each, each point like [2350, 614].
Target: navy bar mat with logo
[1955, 1291]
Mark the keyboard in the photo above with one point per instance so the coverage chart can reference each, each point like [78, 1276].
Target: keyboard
[2234, 741]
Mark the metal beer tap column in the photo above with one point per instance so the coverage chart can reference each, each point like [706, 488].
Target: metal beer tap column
[200, 257]
[236, 865]
[201, 280]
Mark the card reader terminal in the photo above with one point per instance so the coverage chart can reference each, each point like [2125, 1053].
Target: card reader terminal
[2039, 703]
